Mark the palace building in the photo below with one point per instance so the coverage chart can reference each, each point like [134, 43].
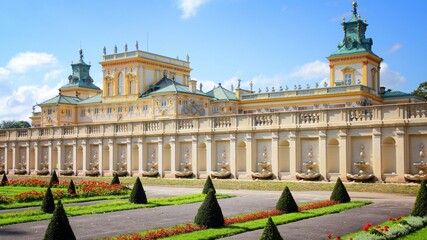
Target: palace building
[151, 119]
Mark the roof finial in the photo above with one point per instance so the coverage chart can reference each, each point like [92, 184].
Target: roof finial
[355, 8]
[81, 53]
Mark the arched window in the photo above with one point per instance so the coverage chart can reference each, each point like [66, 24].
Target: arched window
[120, 84]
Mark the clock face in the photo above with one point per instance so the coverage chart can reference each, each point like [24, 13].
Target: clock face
[349, 45]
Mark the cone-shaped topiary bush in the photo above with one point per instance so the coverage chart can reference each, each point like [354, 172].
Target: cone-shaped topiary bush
[138, 193]
[4, 180]
[59, 228]
[270, 231]
[53, 179]
[287, 202]
[72, 188]
[208, 185]
[420, 206]
[209, 213]
[48, 205]
[115, 179]
[340, 193]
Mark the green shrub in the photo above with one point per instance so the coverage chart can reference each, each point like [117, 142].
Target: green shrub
[138, 194]
[59, 228]
[270, 231]
[72, 188]
[53, 179]
[286, 202]
[209, 213]
[420, 206]
[48, 205]
[4, 180]
[340, 193]
[115, 179]
[208, 185]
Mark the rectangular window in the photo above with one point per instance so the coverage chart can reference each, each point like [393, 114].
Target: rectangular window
[83, 112]
[145, 107]
[96, 110]
[347, 79]
[215, 109]
[130, 108]
[68, 112]
[164, 102]
[109, 110]
[119, 109]
[49, 111]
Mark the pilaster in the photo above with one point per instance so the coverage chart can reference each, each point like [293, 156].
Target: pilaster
[275, 154]
[401, 160]
[376, 154]
[293, 155]
[160, 156]
[233, 156]
[322, 155]
[194, 150]
[344, 161]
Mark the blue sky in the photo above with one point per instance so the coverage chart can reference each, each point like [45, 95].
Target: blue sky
[272, 43]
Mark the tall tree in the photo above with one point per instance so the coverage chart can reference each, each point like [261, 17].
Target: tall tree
[14, 124]
[421, 91]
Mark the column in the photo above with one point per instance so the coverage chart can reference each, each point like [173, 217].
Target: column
[13, 156]
[49, 156]
[376, 154]
[344, 165]
[208, 155]
[322, 155]
[27, 157]
[140, 156]
[59, 156]
[129, 156]
[6, 157]
[101, 158]
[160, 155]
[292, 155]
[401, 161]
[275, 154]
[173, 155]
[84, 157]
[194, 150]
[232, 160]
[249, 156]
[36, 156]
[75, 157]
[111, 155]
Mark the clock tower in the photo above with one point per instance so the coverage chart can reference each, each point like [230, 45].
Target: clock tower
[354, 63]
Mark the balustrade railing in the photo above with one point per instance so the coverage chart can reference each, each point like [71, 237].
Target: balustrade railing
[151, 126]
[185, 124]
[69, 130]
[263, 120]
[121, 128]
[222, 122]
[309, 117]
[93, 129]
[23, 133]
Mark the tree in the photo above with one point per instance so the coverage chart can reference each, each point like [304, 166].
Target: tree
[4, 180]
[14, 124]
[72, 188]
[421, 91]
[208, 185]
[48, 205]
[420, 206]
[209, 214]
[59, 227]
[270, 231]
[115, 179]
[340, 193]
[53, 179]
[138, 194]
[286, 202]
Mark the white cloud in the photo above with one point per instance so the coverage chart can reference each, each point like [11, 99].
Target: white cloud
[23, 62]
[391, 79]
[395, 48]
[4, 73]
[17, 105]
[207, 85]
[54, 74]
[311, 71]
[190, 7]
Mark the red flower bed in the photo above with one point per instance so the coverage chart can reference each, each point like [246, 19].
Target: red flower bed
[36, 196]
[191, 227]
[5, 199]
[96, 188]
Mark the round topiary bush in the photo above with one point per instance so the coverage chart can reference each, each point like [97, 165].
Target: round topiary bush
[208, 185]
[138, 194]
[420, 206]
[116, 179]
[287, 202]
[48, 205]
[59, 226]
[53, 179]
[72, 188]
[270, 231]
[340, 193]
[210, 213]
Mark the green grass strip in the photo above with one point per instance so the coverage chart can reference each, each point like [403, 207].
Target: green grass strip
[420, 234]
[37, 215]
[237, 228]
